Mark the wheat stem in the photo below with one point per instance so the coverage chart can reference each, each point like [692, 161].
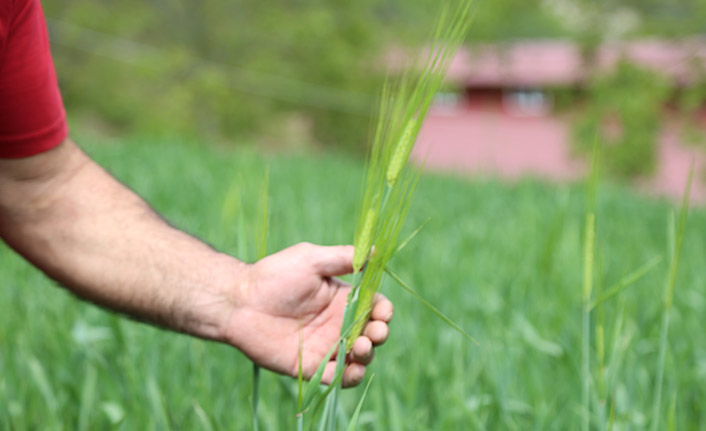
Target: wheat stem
[669, 300]
[588, 262]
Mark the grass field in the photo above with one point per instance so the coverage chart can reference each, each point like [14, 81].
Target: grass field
[502, 261]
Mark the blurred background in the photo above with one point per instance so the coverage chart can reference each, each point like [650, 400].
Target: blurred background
[536, 83]
[189, 103]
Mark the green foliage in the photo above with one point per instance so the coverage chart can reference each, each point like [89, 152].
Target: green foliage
[672, 18]
[220, 69]
[690, 102]
[623, 111]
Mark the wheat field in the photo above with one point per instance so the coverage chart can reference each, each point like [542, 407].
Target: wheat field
[502, 261]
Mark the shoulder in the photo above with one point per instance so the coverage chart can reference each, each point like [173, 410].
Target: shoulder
[32, 117]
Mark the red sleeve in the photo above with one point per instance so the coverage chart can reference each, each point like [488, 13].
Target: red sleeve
[32, 117]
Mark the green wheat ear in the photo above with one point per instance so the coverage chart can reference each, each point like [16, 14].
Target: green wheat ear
[401, 154]
[372, 276]
[365, 242]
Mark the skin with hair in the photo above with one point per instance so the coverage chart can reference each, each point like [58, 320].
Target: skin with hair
[74, 221]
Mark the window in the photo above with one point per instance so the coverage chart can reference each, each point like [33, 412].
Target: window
[446, 99]
[527, 102]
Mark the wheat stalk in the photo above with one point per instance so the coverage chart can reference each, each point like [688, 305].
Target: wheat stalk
[670, 287]
[388, 187]
[389, 182]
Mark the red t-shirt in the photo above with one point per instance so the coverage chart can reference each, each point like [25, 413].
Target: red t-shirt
[32, 117]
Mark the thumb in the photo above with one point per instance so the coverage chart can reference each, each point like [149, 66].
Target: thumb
[334, 260]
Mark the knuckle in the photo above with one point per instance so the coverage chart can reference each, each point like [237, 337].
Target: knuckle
[305, 247]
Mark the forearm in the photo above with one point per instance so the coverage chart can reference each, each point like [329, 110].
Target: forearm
[100, 240]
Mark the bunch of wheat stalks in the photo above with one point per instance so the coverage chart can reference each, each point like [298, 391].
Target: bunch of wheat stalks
[389, 181]
[389, 184]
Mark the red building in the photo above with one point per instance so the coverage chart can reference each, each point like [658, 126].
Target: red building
[503, 122]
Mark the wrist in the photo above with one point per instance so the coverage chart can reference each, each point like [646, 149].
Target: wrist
[215, 303]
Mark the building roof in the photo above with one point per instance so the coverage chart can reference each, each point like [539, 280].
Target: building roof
[541, 63]
[530, 63]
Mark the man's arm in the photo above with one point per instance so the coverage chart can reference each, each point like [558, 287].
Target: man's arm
[71, 219]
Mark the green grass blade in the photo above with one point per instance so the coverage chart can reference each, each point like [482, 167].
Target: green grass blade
[588, 258]
[114, 412]
[260, 252]
[672, 416]
[232, 213]
[5, 416]
[300, 372]
[586, 318]
[670, 287]
[351, 322]
[328, 402]
[587, 286]
[431, 308]
[255, 396]
[88, 399]
[331, 393]
[204, 420]
[354, 419]
[157, 403]
[599, 323]
[404, 243]
[40, 379]
[261, 243]
[232, 204]
[616, 352]
[600, 353]
[681, 228]
[312, 388]
[611, 416]
[243, 250]
[340, 369]
[594, 177]
[323, 423]
[625, 282]
[661, 356]
[348, 315]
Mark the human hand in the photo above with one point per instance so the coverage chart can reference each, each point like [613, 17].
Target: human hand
[295, 292]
